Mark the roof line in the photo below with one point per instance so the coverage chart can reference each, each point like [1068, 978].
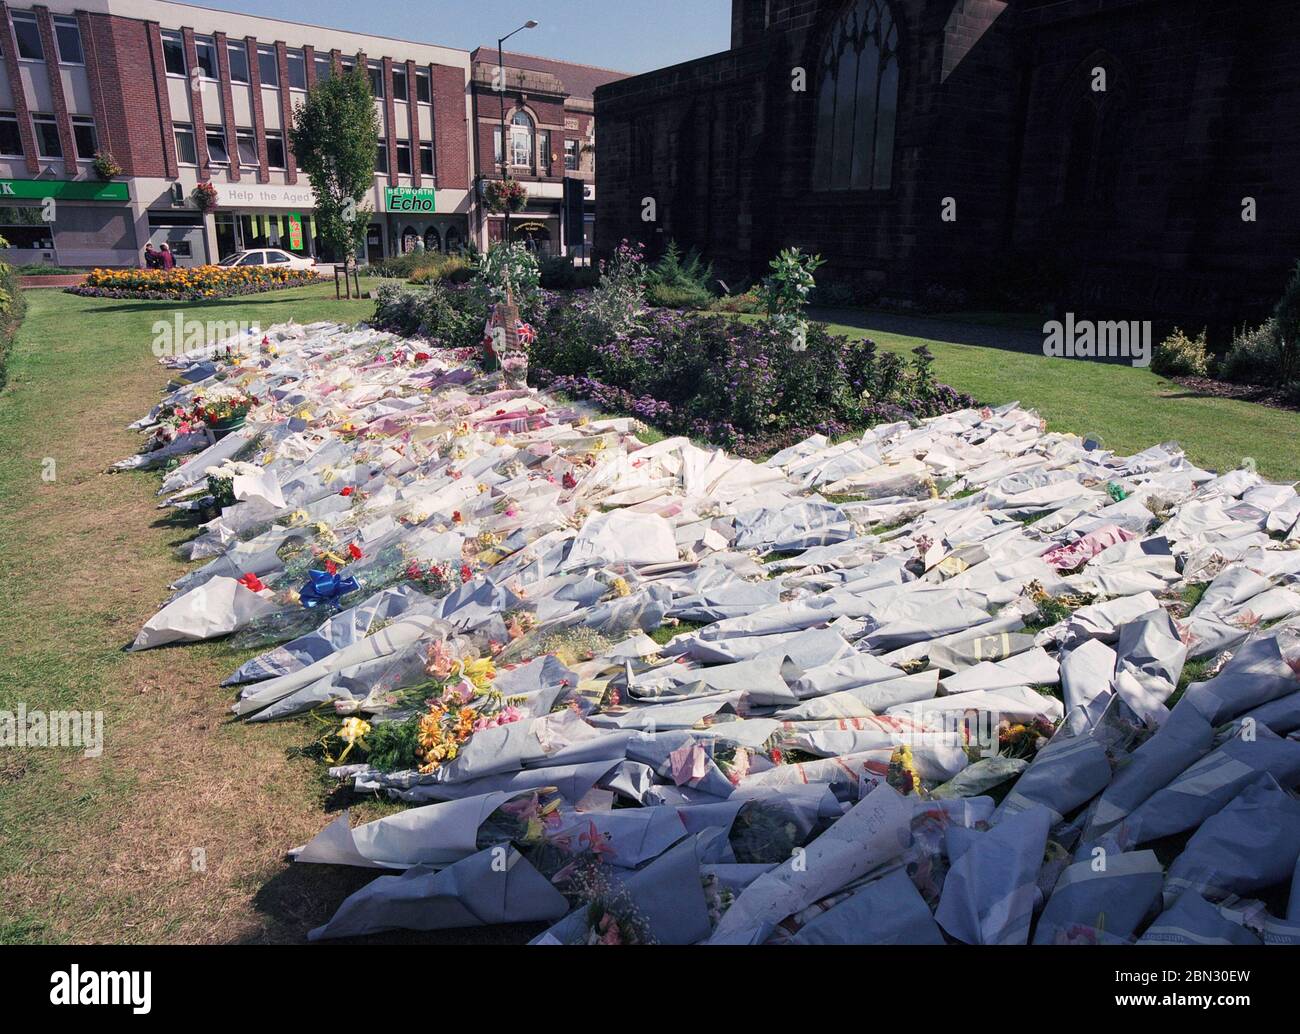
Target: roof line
[557, 60]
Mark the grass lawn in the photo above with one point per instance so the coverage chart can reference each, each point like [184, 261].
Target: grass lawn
[177, 833]
[1129, 408]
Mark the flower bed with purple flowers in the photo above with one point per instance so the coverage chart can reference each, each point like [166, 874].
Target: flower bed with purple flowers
[739, 384]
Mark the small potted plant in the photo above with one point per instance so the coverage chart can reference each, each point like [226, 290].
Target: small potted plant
[204, 196]
[106, 166]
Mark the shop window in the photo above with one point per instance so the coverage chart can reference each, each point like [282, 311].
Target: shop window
[857, 100]
[404, 157]
[83, 133]
[67, 34]
[28, 36]
[275, 150]
[399, 84]
[206, 54]
[426, 159]
[173, 53]
[237, 55]
[297, 67]
[23, 227]
[185, 151]
[48, 144]
[246, 146]
[217, 152]
[268, 66]
[423, 88]
[11, 140]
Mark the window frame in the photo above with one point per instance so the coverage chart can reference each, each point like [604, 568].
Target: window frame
[12, 117]
[208, 43]
[247, 136]
[42, 118]
[178, 41]
[210, 131]
[84, 122]
[67, 21]
[233, 46]
[27, 18]
[289, 55]
[873, 24]
[262, 78]
[275, 136]
[180, 129]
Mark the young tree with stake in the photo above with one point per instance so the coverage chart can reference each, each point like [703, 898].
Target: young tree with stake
[334, 138]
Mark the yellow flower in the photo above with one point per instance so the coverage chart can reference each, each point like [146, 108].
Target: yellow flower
[353, 730]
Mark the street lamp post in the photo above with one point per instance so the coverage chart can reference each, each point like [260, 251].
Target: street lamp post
[501, 93]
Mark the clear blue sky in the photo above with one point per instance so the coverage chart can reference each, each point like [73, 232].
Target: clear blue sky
[629, 35]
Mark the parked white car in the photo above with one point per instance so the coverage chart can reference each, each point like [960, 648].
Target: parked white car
[268, 257]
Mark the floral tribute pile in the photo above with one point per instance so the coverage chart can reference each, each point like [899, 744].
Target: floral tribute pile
[950, 680]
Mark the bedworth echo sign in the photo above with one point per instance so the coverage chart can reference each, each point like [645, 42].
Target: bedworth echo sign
[409, 199]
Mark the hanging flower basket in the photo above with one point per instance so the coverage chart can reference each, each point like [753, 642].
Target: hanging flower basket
[505, 196]
[106, 166]
[204, 196]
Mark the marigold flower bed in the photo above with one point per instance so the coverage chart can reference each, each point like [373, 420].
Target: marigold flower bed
[190, 283]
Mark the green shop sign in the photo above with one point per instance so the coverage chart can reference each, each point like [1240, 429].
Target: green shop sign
[65, 190]
[409, 199]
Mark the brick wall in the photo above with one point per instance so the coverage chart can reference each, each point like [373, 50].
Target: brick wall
[451, 142]
[1199, 115]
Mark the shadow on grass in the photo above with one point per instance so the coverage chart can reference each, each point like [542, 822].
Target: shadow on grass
[301, 897]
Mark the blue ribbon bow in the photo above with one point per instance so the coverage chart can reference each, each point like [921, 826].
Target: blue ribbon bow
[326, 589]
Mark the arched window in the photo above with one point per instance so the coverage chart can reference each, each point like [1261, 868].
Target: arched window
[521, 139]
[454, 240]
[857, 100]
[432, 242]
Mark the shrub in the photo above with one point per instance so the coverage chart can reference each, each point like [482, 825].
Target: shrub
[449, 316]
[784, 292]
[678, 296]
[1286, 330]
[452, 268]
[510, 269]
[560, 274]
[748, 302]
[688, 275]
[12, 307]
[1181, 356]
[1254, 357]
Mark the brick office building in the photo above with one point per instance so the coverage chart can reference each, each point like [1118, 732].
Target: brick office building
[549, 116]
[1098, 153]
[181, 94]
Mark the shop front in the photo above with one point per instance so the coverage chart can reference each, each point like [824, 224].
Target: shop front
[412, 223]
[265, 216]
[67, 222]
[537, 226]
